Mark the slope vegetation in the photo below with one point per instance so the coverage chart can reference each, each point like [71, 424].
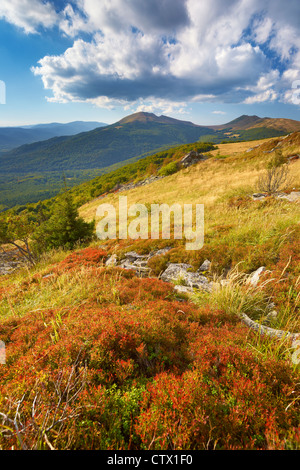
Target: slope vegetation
[100, 358]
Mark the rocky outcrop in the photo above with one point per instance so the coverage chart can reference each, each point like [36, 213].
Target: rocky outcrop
[191, 159]
[255, 276]
[266, 330]
[293, 196]
[179, 272]
[10, 261]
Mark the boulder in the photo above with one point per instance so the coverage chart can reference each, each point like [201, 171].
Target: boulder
[255, 276]
[112, 261]
[183, 289]
[292, 197]
[191, 158]
[205, 266]
[179, 272]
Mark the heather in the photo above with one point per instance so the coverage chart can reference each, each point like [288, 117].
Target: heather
[127, 365]
[98, 357]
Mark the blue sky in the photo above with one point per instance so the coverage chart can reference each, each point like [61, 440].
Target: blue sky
[198, 60]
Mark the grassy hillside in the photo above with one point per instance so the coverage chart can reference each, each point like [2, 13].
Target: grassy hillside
[98, 358]
[35, 172]
[18, 190]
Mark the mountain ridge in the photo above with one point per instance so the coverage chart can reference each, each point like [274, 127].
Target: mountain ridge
[12, 137]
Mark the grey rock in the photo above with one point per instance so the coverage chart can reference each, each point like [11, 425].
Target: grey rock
[112, 261]
[255, 276]
[179, 272]
[133, 255]
[205, 266]
[191, 158]
[183, 289]
[258, 196]
[160, 252]
[292, 197]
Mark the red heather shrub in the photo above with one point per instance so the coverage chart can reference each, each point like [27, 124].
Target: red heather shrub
[84, 257]
[228, 401]
[284, 273]
[143, 289]
[142, 371]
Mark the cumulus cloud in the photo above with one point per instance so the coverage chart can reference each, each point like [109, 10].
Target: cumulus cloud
[167, 51]
[28, 15]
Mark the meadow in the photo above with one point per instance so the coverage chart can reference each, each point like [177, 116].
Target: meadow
[98, 358]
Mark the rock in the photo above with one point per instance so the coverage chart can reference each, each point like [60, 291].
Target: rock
[47, 276]
[179, 271]
[112, 261]
[10, 261]
[258, 196]
[161, 252]
[139, 266]
[183, 289]
[175, 271]
[292, 197]
[254, 277]
[191, 158]
[133, 255]
[205, 266]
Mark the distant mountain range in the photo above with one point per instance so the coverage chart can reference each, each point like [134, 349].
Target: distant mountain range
[254, 122]
[12, 137]
[37, 171]
[135, 135]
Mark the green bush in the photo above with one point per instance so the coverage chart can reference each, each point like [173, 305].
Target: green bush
[168, 169]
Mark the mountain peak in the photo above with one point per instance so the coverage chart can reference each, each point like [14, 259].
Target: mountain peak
[151, 117]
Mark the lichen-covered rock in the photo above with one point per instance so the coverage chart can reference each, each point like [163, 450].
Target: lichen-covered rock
[178, 272]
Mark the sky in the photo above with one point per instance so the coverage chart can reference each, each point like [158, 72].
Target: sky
[205, 61]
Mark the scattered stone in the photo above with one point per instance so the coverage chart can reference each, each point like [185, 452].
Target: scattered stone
[191, 158]
[161, 252]
[259, 196]
[183, 289]
[10, 261]
[179, 272]
[133, 255]
[205, 266]
[292, 197]
[255, 276]
[112, 260]
[48, 275]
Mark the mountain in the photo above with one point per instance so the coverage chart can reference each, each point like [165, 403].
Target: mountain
[242, 122]
[251, 128]
[254, 122]
[133, 136]
[12, 137]
[36, 171]
[150, 117]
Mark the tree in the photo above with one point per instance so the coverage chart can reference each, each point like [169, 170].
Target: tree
[17, 230]
[276, 177]
[64, 228]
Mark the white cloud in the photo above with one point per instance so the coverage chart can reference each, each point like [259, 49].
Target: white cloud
[28, 14]
[268, 95]
[219, 112]
[166, 50]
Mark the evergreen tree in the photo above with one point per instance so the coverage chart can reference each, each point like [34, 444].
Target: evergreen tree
[64, 228]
